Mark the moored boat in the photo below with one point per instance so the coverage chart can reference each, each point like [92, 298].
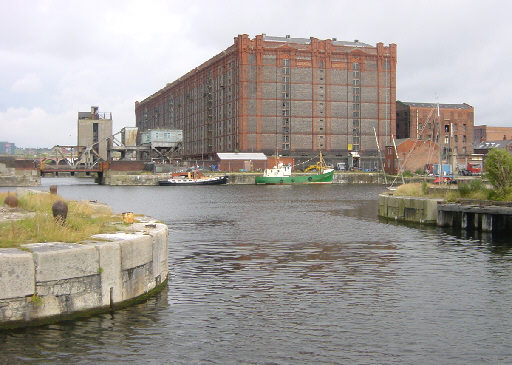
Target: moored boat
[192, 178]
[282, 174]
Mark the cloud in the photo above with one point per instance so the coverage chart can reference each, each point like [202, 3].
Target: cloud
[59, 57]
[37, 128]
[29, 83]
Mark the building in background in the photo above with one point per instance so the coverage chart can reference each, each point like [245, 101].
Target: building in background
[294, 95]
[95, 131]
[7, 148]
[483, 133]
[484, 147]
[413, 155]
[452, 130]
[251, 161]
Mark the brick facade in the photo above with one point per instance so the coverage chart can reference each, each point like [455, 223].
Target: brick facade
[295, 95]
[483, 133]
[412, 154]
[452, 130]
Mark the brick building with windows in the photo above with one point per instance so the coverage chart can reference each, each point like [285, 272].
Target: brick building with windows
[452, 130]
[294, 95]
[483, 133]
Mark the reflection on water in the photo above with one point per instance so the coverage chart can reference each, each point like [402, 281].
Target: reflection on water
[295, 274]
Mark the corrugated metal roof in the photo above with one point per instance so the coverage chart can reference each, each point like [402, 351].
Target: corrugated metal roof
[351, 44]
[241, 156]
[492, 144]
[434, 105]
[308, 41]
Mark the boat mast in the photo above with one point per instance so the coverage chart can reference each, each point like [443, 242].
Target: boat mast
[439, 135]
[380, 156]
[398, 160]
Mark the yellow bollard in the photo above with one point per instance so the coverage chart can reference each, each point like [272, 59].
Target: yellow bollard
[128, 217]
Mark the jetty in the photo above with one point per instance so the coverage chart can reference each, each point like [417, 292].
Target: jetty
[484, 216]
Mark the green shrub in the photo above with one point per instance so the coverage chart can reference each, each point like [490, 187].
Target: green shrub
[464, 189]
[498, 166]
[477, 185]
[419, 171]
[407, 173]
[424, 188]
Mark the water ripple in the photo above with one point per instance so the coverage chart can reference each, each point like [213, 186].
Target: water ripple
[293, 275]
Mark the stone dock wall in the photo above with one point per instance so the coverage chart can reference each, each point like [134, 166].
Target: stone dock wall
[484, 216]
[411, 209]
[248, 178]
[46, 282]
[10, 176]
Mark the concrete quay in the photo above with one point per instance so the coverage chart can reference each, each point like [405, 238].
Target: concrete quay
[237, 178]
[481, 216]
[48, 282]
[485, 218]
[10, 176]
[409, 209]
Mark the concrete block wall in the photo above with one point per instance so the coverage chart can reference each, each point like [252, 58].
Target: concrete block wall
[412, 209]
[54, 280]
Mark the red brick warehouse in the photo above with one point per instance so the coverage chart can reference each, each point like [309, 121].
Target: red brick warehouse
[296, 95]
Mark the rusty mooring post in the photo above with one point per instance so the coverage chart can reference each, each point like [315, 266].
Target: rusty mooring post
[11, 201]
[53, 189]
[60, 210]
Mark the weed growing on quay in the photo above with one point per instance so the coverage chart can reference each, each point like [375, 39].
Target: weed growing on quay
[81, 223]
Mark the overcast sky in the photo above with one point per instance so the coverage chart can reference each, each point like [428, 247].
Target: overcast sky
[60, 57]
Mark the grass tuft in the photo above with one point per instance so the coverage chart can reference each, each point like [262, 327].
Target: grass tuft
[42, 227]
[475, 190]
[413, 189]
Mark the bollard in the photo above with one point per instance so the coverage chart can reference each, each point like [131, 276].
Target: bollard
[128, 217]
[53, 189]
[60, 210]
[11, 201]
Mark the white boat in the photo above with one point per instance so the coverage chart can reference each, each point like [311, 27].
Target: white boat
[192, 178]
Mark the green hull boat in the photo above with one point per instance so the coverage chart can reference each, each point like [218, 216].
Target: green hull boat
[325, 178]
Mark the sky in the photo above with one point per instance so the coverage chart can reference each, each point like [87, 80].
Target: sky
[63, 56]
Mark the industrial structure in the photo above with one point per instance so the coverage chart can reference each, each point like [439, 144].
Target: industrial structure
[95, 130]
[294, 95]
[450, 126]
